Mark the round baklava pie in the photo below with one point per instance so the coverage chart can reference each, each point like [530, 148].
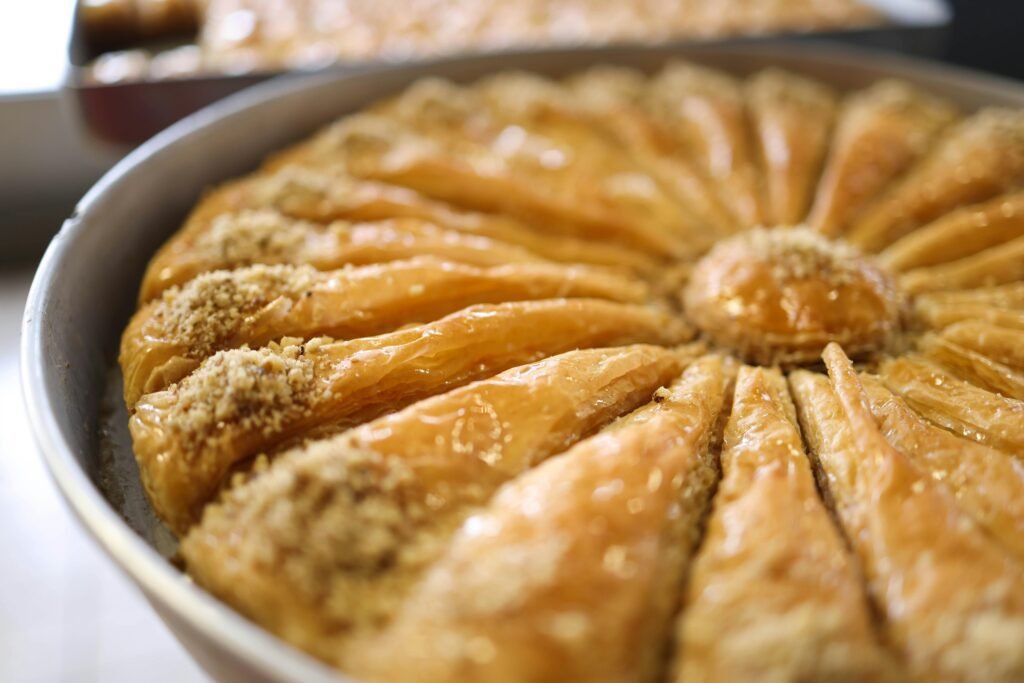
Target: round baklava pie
[674, 377]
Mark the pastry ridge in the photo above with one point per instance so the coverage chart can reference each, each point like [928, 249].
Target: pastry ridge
[569, 606]
[240, 403]
[168, 338]
[792, 118]
[773, 585]
[431, 473]
[987, 484]
[953, 601]
[880, 132]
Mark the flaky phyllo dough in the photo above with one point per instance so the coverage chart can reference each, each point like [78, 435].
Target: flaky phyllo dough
[627, 377]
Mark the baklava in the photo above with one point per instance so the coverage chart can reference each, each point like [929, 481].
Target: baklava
[626, 377]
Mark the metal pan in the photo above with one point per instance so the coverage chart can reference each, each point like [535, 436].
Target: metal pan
[126, 113]
[84, 292]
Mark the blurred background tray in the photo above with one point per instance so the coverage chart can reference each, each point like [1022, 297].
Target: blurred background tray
[127, 96]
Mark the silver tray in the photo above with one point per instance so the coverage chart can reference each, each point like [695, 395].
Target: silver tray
[84, 293]
[125, 114]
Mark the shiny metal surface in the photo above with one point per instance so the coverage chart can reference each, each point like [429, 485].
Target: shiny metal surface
[85, 290]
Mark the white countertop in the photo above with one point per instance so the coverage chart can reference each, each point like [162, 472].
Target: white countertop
[66, 612]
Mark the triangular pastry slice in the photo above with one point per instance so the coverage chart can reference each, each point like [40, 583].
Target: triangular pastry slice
[168, 337]
[880, 132]
[998, 265]
[773, 586]
[551, 110]
[461, 154]
[957, 405]
[240, 403]
[268, 237]
[978, 159]
[567, 574]
[327, 194]
[951, 599]
[619, 96]
[708, 110]
[937, 313]
[960, 234]
[326, 543]
[792, 120]
[972, 366]
[987, 484]
[1001, 344]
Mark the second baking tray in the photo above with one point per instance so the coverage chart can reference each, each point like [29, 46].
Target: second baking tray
[126, 113]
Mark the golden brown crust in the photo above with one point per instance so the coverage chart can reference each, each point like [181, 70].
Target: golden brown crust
[779, 296]
[997, 265]
[792, 120]
[999, 344]
[953, 601]
[973, 366]
[533, 589]
[561, 174]
[621, 97]
[550, 111]
[988, 485]
[880, 132]
[327, 194]
[169, 337]
[960, 234]
[324, 545]
[939, 313]
[1009, 296]
[959, 406]
[241, 403]
[976, 160]
[515, 191]
[270, 238]
[774, 586]
[707, 108]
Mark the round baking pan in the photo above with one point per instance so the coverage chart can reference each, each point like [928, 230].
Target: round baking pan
[84, 292]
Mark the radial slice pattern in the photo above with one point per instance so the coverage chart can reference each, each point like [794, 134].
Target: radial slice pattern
[552, 594]
[323, 545]
[1009, 296]
[998, 265]
[453, 389]
[881, 131]
[963, 233]
[774, 586]
[973, 367]
[957, 405]
[988, 484]
[1000, 344]
[168, 338]
[267, 237]
[792, 119]
[327, 194]
[980, 158]
[709, 108]
[952, 599]
[939, 312]
[242, 402]
[435, 141]
[622, 99]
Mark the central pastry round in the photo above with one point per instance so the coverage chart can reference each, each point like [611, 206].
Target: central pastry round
[780, 295]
